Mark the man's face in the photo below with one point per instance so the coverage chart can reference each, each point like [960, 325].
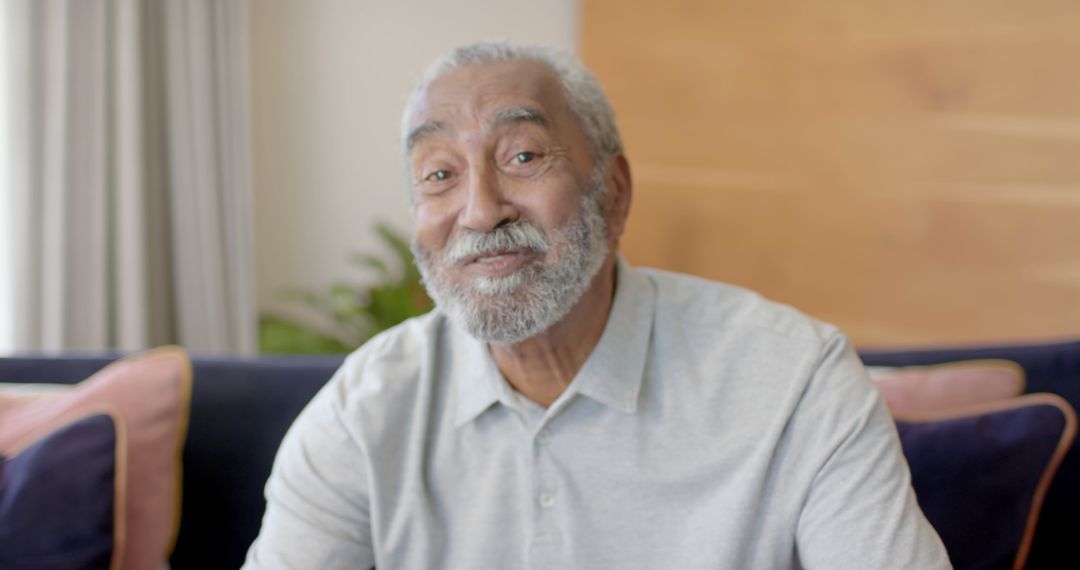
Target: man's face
[509, 223]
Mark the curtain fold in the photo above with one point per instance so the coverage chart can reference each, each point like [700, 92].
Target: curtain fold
[134, 203]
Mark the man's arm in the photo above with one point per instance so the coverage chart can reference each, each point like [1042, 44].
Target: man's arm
[860, 511]
[316, 499]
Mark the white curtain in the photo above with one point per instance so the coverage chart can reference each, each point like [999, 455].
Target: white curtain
[132, 194]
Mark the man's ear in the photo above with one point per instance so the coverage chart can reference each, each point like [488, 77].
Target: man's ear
[617, 204]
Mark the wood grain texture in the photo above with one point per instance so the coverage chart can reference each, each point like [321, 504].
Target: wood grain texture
[909, 171]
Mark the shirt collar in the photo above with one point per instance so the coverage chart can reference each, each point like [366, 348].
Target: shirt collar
[611, 375]
[479, 382]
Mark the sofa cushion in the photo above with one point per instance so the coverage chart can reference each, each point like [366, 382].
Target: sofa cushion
[912, 389]
[240, 409]
[58, 495]
[1049, 367]
[981, 473]
[151, 393]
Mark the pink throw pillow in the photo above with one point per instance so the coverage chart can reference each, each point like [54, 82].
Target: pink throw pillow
[151, 393]
[921, 389]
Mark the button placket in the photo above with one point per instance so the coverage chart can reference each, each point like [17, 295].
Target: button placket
[545, 496]
[545, 493]
[547, 547]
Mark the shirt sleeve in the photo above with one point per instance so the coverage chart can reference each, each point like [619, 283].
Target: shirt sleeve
[860, 510]
[317, 513]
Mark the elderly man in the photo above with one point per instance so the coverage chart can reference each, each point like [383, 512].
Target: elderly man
[561, 409]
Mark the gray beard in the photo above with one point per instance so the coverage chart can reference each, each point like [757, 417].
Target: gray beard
[508, 310]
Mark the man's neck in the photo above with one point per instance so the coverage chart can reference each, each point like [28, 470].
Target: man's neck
[540, 368]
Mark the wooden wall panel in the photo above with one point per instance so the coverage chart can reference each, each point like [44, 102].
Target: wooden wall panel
[907, 170]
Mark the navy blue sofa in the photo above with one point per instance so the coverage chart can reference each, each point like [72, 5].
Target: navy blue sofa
[241, 408]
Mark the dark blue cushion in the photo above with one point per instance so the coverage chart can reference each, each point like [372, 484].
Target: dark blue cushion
[57, 499]
[978, 476]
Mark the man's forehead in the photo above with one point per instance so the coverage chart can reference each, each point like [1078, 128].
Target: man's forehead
[490, 93]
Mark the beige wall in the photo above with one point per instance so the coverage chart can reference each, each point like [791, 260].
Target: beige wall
[329, 78]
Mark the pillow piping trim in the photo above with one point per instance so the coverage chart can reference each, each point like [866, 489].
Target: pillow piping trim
[182, 422]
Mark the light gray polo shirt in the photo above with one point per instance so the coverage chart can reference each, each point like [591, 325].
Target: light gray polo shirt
[709, 428]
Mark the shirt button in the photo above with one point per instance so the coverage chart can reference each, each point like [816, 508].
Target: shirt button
[546, 500]
[544, 437]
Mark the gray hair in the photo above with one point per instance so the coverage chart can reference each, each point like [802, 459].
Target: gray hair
[583, 92]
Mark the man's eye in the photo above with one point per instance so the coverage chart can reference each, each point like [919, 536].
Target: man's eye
[523, 157]
[438, 175]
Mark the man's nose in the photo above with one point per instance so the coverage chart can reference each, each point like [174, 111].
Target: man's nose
[486, 206]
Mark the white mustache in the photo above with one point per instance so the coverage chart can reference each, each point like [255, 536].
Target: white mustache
[517, 235]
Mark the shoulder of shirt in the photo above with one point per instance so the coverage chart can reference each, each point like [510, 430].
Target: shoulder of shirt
[390, 358]
[694, 301]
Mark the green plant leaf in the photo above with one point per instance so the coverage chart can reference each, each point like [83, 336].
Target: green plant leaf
[281, 336]
[397, 243]
[358, 311]
[365, 260]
